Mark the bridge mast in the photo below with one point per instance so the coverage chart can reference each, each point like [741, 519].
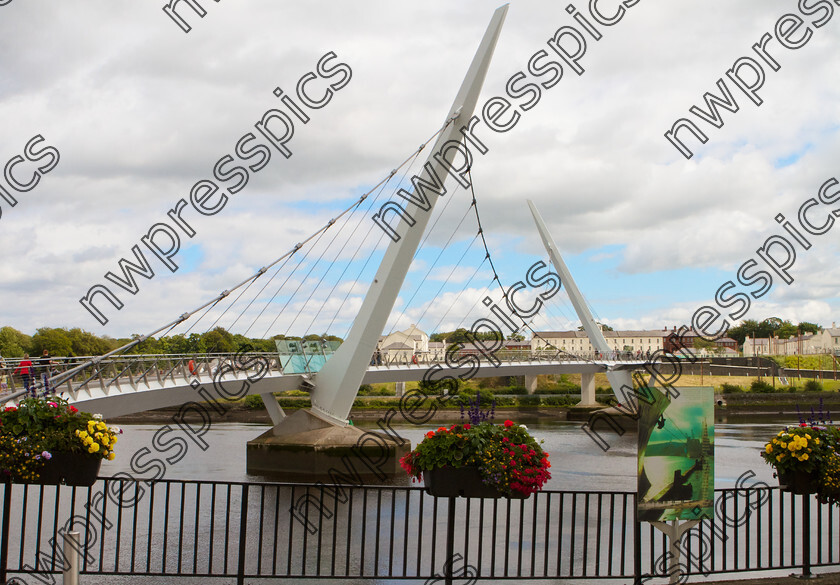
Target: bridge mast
[337, 384]
[618, 379]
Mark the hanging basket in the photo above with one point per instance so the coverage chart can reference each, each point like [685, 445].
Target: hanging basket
[464, 482]
[65, 468]
[799, 482]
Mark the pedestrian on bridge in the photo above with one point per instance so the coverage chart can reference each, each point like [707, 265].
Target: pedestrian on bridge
[25, 370]
[3, 385]
[44, 364]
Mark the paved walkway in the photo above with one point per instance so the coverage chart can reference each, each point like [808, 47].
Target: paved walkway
[824, 579]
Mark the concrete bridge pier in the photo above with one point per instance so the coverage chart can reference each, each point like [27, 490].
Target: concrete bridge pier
[587, 391]
[305, 447]
[531, 383]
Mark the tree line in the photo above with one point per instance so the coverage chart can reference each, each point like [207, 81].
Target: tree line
[63, 342]
[770, 327]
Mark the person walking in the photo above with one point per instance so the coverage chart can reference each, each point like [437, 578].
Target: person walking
[25, 370]
[3, 385]
[44, 363]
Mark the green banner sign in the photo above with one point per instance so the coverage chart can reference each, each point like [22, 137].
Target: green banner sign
[676, 456]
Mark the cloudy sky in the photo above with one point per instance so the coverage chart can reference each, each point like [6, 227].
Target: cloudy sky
[140, 111]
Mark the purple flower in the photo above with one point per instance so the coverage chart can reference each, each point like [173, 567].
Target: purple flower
[46, 455]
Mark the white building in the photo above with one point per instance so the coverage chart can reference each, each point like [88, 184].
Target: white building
[403, 345]
[826, 341]
[577, 342]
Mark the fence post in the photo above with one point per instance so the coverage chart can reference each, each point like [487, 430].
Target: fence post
[806, 536]
[448, 567]
[71, 553]
[637, 544]
[4, 543]
[243, 528]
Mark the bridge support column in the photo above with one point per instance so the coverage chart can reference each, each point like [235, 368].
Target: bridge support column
[400, 388]
[531, 384]
[587, 390]
[275, 411]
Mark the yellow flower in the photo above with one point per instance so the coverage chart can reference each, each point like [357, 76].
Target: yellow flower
[94, 448]
[111, 456]
[768, 448]
[804, 457]
[784, 445]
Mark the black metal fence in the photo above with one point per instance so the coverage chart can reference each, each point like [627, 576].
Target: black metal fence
[260, 530]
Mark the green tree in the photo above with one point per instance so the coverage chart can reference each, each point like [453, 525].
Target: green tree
[56, 341]
[711, 346]
[806, 327]
[219, 341]
[786, 330]
[13, 343]
[86, 343]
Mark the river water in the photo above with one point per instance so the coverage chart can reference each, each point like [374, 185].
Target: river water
[577, 462]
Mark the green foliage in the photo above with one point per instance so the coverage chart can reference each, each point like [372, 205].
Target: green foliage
[730, 389]
[528, 400]
[437, 388]
[254, 402]
[295, 402]
[62, 342]
[365, 390]
[13, 343]
[813, 386]
[57, 341]
[502, 401]
[563, 400]
[806, 362]
[761, 386]
[465, 396]
[806, 327]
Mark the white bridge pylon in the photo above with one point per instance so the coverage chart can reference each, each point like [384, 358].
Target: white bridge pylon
[620, 380]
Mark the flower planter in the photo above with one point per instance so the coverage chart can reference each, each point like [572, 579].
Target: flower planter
[799, 482]
[70, 469]
[465, 482]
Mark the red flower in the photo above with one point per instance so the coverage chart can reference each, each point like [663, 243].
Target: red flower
[73, 409]
[467, 427]
[430, 434]
[508, 423]
[11, 409]
[442, 429]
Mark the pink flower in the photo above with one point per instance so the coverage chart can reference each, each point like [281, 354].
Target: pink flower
[53, 404]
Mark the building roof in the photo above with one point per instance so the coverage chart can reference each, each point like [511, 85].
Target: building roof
[397, 346]
[607, 334]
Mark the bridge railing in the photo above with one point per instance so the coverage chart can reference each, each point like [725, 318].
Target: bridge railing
[401, 358]
[132, 370]
[173, 528]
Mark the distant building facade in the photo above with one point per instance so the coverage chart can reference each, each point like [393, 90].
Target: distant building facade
[403, 345]
[577, 342]
[824, 342]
